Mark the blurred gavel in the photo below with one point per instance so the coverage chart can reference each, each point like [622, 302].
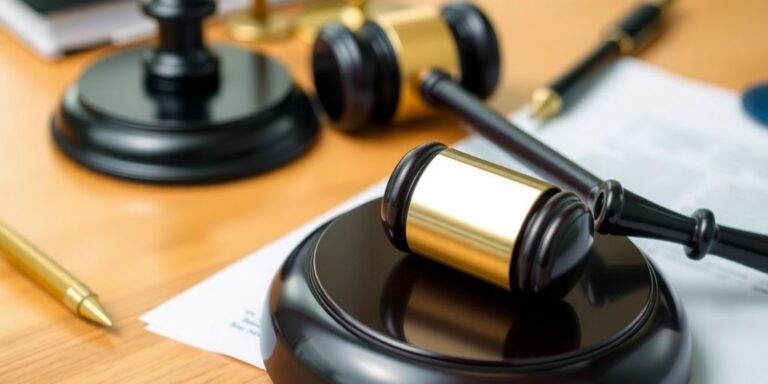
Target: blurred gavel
[452, 207]
[370, 76]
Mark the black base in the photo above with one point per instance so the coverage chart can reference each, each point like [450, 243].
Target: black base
[255, 120]
[347, 307]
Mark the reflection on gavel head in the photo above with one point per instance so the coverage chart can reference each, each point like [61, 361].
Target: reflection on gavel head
[370, 76]
[511, 230]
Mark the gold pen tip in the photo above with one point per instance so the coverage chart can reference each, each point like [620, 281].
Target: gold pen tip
[545, 103]
[92, 310]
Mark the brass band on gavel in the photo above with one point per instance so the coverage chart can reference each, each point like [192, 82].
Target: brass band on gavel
[501, 226]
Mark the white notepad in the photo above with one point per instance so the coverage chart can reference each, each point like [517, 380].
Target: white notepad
[681, 143]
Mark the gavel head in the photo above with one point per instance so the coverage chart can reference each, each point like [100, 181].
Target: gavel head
[509, 229]
[370, 76]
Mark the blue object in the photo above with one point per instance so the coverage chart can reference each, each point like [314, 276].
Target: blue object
[755, 102]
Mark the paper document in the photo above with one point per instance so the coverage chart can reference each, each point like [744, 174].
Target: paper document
[681, 143]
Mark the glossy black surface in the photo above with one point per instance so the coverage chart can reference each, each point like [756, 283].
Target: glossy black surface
[554, 248]
[642, 23]
[397, 195]
[344, 74]
[255, 120]
[569, 85]
[478, 46]
[113, 88]
[434, 311]
[347, 307]
[181, 62]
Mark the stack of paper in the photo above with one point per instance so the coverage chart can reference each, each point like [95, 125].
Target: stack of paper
[54, 27]
[678, 142]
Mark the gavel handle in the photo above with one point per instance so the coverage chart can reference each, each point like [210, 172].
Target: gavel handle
[616, 210]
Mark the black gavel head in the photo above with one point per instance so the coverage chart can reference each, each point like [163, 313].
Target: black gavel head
[370, 76]
[509, 229]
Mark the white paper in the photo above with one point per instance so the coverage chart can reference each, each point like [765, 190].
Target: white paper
[685, 145]
[678, 142]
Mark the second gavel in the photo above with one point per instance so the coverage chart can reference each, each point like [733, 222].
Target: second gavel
[370, 77]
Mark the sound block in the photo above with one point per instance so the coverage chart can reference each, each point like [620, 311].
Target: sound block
[255, 120]
[347, 307]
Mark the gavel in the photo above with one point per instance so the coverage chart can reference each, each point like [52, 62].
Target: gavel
[370, 77]
[509, 229]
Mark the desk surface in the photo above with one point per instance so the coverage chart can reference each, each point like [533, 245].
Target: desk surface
[137, 245]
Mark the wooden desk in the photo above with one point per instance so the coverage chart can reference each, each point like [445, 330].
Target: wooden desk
[137, 245]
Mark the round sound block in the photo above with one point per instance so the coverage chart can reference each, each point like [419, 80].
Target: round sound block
[255, 120]
[347, 307]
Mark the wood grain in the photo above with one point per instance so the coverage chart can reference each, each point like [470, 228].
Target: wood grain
[137, 245]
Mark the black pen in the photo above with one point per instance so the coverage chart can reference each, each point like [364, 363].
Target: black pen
[631, 34]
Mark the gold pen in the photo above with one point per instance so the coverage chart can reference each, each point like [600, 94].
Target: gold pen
[52, 277]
